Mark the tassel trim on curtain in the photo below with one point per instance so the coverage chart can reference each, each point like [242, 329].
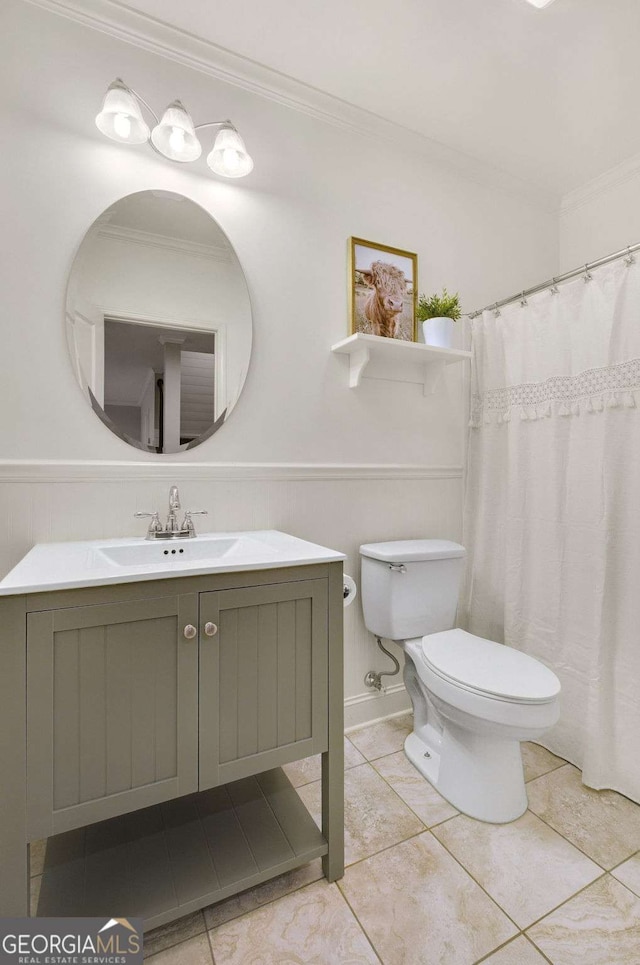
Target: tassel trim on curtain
[595, 390]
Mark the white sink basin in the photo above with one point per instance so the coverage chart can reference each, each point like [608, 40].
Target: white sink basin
[57, 566]
[135, 553]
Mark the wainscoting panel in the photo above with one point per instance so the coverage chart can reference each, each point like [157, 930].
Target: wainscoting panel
[338, 506]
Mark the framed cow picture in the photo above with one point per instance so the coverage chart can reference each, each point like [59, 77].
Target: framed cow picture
[384, 290]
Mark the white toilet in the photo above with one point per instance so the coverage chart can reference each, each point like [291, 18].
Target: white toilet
[473, 700]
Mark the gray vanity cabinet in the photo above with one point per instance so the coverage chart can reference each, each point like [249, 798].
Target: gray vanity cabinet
[263, 678]
[144, 727]
[112, 713]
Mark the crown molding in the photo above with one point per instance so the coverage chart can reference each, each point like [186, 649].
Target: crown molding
[94, 471]
[122, 22]
[626, 171]
[149, 239]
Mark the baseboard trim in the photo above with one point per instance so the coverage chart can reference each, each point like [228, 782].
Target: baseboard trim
[367, 708]
[76, 471]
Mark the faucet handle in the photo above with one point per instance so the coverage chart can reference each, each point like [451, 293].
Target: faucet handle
[187, 524]
[155, 526]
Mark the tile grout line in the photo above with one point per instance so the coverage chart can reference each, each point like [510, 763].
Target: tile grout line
[208, 934]
[388, 847]
[482, 888]
[494, 951]
[293, 892]
[635, 854]
[406, 803]
[361, 926]
[577, 846]
[565, 838]
[506, 944]
[556, 767]
[539, 950]
[566, 901]
[524, 931]
[562, 835]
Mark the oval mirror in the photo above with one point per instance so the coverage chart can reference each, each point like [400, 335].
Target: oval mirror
[159, 321]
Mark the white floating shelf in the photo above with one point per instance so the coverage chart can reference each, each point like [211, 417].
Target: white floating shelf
[390, 358]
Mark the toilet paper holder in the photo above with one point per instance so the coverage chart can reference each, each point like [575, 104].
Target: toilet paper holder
[349, 590]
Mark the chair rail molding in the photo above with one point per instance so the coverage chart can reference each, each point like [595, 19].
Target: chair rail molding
[156, 36]
[44, 470]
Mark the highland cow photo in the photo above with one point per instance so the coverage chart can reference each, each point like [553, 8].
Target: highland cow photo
[383, 290]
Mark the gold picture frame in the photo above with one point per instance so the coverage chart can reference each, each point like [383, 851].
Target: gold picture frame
[373, 295]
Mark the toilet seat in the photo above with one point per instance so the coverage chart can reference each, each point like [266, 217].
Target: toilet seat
[489, 669]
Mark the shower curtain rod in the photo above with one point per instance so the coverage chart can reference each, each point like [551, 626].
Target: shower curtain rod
[553, 283]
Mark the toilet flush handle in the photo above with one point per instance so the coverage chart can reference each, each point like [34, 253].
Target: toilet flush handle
[398, 567]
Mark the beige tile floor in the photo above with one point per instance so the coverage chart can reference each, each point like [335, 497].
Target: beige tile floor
[425, 885]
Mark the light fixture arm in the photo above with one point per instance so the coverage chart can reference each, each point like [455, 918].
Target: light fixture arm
[198, 127]
[145, 103]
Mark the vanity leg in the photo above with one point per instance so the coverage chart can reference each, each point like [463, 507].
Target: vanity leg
[333, 759]
[14, 858]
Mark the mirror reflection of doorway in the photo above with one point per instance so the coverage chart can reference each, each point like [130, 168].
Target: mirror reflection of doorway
[159, 383]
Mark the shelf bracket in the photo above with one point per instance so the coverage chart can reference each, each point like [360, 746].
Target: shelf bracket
[433, 373]
[358, 362]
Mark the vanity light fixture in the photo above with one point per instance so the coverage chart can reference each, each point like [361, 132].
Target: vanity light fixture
[174, 135]
[540, 3]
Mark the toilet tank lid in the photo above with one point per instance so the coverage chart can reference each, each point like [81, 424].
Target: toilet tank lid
[412, 550]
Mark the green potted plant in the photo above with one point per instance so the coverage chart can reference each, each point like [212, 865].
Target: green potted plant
[437, 314]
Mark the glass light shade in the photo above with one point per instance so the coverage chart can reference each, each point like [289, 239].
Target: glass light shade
[229, 155]
[540, 3]
[175, 136]
[120, 117]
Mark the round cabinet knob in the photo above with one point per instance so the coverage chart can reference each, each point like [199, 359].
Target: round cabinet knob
[190, 632]
[210, 629]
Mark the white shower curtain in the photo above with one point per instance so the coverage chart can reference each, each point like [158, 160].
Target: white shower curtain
[552, 516]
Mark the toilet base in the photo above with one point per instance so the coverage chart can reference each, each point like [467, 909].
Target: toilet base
[479, 775]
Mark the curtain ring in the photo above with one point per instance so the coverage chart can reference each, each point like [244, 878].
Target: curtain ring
[523, 301]
[629, 260]
[554, 288]
[496, 311]
[587, 274]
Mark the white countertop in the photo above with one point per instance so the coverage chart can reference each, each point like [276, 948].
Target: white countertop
[63, 566]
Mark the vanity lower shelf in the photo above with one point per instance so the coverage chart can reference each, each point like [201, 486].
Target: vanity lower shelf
[172, 859]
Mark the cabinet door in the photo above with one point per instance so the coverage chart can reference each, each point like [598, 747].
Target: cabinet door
[263, 678]
[112, 696]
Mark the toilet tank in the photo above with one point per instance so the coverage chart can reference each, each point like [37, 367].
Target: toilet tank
[410, 587]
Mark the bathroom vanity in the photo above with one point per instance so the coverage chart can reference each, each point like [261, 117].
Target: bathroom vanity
[149, 695]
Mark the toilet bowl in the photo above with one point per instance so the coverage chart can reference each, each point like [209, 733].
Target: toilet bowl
[473, 700]
[488, 698]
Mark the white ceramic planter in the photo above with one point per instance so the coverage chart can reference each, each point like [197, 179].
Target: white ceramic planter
[438, 331]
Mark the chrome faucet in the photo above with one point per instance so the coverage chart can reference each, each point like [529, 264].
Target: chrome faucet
[172, 525]
[172, 528]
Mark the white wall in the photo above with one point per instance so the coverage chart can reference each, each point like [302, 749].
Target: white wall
[314, 184]
[601, 217]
